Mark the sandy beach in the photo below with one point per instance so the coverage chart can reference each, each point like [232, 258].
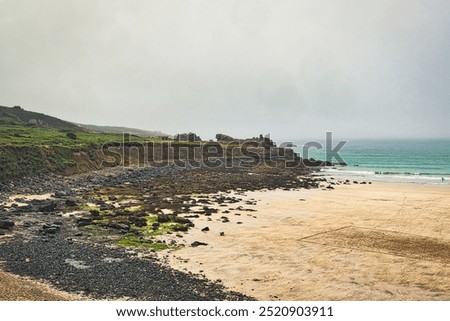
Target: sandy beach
[384, 241]
[15, 288]
[281, 240]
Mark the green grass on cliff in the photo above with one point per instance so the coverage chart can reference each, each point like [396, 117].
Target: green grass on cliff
[26, 151]
[24, 136]
[29, 150]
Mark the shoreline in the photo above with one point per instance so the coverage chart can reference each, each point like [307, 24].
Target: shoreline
[385, 241]
[353, 173]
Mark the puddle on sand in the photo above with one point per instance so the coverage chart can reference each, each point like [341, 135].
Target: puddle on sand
[25, 197]
[112, 260]
[80, 265]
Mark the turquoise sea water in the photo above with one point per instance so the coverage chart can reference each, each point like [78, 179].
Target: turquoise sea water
[421, 161]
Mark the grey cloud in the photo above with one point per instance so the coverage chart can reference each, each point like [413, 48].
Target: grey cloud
[292, 68]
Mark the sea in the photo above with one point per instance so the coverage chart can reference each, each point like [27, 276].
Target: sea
[425, 161]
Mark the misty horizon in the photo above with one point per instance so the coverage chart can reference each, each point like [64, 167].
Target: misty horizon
[294, 69]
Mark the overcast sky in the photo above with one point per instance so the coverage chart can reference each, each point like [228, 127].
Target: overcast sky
[359, 68]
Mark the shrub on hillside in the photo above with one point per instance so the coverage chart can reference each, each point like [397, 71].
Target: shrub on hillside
[71, 135]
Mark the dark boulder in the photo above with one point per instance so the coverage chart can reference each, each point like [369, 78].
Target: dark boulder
[6, 224]
[208, 210]
[83, 221]
[50, 228]
[183, 220]
[107, 207]
[94, 213]
[71, 202]
[197, 243]
[163, 218]
[119, 226]
[141, 222]
[48, 207]
[187, 137]
[223, 137]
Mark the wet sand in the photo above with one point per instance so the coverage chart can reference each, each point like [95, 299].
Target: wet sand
[384, 241]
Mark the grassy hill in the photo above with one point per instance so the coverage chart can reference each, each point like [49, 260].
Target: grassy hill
[32, 143]
[19, 116]
[121, 130]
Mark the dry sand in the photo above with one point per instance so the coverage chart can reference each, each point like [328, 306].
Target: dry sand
[383, 241]
[14, 288]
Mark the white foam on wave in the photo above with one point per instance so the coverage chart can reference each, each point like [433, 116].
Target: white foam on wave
[342, 170]
[346, 173]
